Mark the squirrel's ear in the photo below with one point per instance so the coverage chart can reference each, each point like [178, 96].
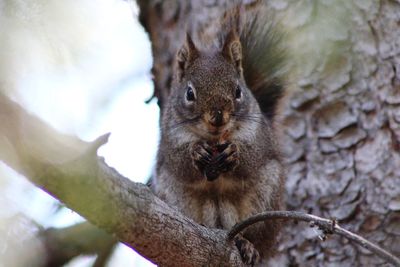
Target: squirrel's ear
[232, 50]
[186, 54]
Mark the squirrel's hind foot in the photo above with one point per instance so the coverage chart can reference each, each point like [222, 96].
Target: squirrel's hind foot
[247, 251]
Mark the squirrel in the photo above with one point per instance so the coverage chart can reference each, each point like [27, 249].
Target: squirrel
[219, 160]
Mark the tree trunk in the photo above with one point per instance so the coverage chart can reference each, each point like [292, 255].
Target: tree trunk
[342, 121]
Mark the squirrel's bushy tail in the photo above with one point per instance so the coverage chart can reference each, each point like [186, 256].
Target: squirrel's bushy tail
[264, 55]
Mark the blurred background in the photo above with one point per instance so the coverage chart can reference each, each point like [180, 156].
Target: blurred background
[84, 68]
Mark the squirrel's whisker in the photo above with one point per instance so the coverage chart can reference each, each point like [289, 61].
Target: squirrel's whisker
[180, 124]
[254, 119]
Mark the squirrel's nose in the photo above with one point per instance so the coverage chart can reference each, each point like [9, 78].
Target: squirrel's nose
[217, 118]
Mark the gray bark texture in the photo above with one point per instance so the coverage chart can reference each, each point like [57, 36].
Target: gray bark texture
[341, 122]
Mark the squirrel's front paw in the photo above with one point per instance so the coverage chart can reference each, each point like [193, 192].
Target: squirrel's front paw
[228, 158]
[202, 156]
[247, 251]
[212, 160]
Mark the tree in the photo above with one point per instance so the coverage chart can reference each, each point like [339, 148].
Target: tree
[342, 128]
[342, 134]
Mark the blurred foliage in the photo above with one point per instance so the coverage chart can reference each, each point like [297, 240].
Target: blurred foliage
[19, 245]
[70, 57]
[318, 35]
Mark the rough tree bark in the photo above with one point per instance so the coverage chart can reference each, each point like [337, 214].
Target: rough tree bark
[342, 122]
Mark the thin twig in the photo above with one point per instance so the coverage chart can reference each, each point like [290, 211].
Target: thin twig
[326, 225]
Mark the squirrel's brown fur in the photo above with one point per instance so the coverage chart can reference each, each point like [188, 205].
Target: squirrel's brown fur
[219, 160]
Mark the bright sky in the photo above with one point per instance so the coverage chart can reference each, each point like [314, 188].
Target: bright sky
[83, 67]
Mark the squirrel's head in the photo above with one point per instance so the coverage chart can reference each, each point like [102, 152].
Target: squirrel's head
[209, 88]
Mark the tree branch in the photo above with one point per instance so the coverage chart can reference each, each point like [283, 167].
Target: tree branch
[63, 244]
[104, 256]
[69, 169]
[326, 225]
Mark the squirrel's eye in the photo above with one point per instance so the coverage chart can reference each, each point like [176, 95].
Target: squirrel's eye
[190, 94]
[238, 92]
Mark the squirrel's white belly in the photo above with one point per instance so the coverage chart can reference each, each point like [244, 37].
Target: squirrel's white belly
[220, 214]
[220, 205]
